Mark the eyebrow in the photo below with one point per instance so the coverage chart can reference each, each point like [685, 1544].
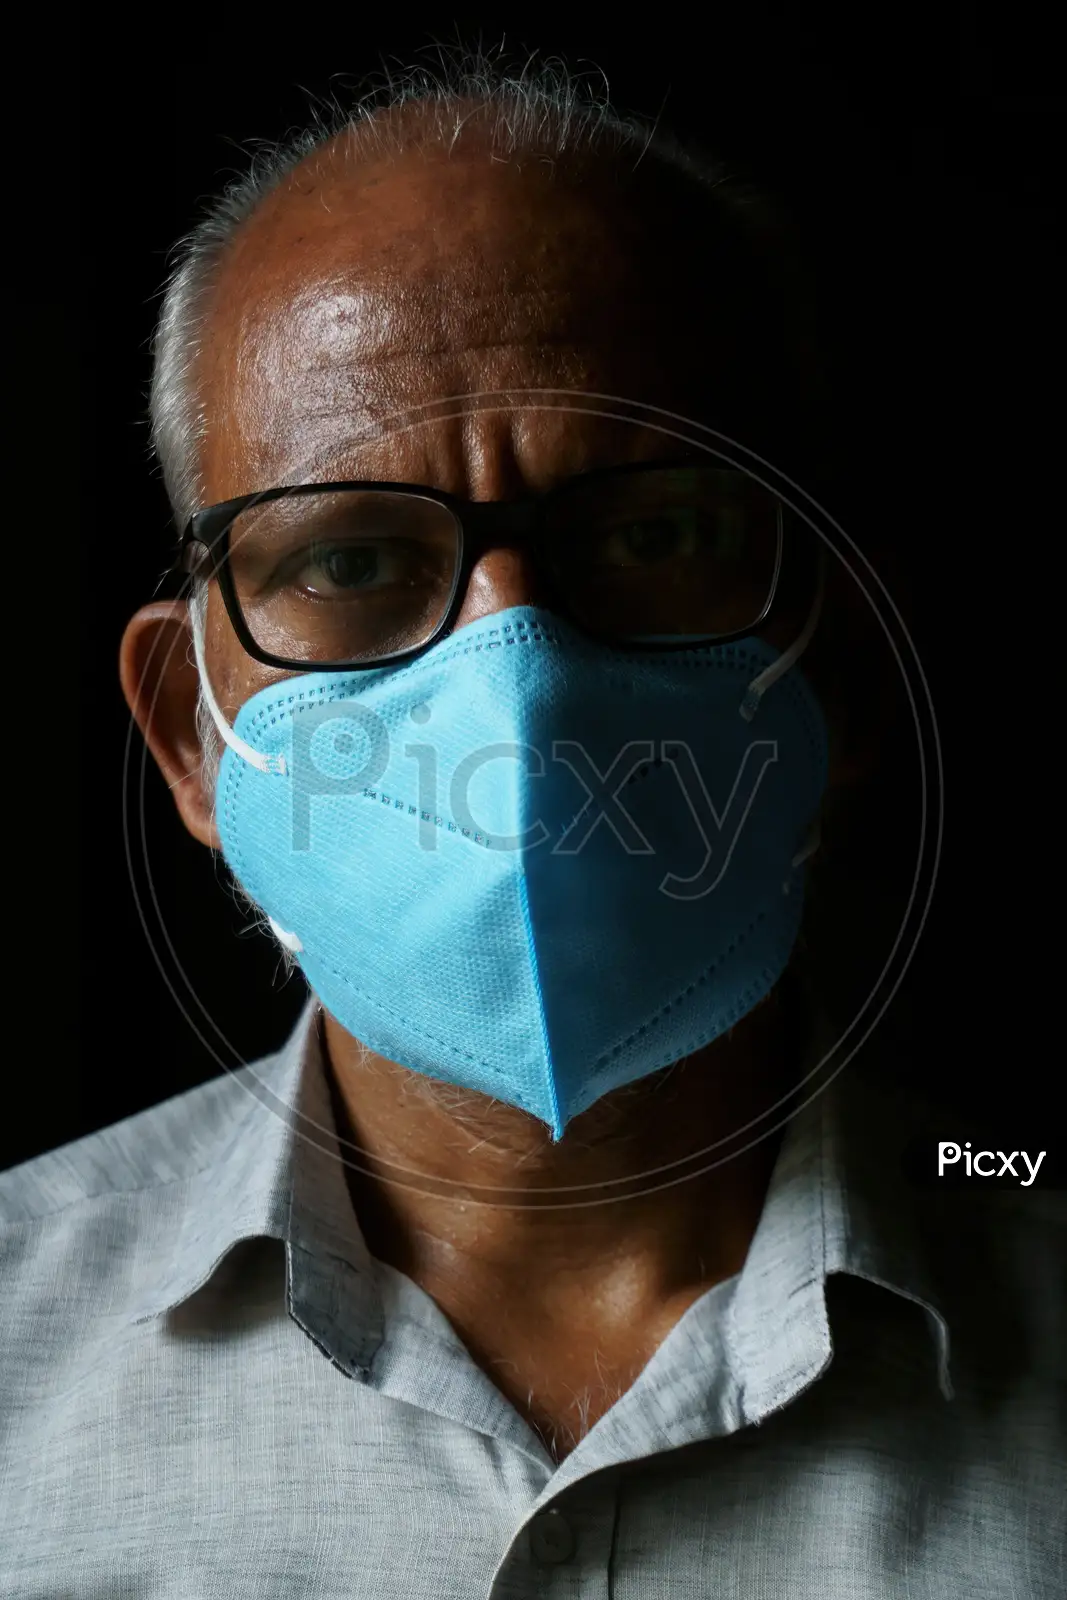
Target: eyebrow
[683, 456]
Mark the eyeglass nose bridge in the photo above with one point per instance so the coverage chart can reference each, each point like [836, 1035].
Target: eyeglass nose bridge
[489, 524]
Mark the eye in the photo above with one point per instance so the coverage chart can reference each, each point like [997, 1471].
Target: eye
[657, 540]
[351, 569]
[344, 566]
[647, 541]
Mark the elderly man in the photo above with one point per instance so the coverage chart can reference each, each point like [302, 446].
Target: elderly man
[534, 1264]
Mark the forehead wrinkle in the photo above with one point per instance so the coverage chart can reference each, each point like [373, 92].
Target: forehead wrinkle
[314, 341]
[329, 347]
[318, 344]
[464, 452]
[293, 400]
[394, 318]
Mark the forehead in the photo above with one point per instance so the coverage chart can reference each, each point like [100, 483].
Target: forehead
[358, 292]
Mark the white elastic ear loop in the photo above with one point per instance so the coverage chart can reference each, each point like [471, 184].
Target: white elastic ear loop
[255, 758]
[289, 940]
[810, 845]
[759, 685]
[239, 747]
[806, 851]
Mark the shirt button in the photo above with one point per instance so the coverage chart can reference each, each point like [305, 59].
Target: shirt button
[551, 1538]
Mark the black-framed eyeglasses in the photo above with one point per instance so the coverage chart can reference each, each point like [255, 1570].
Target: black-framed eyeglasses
[339, 576]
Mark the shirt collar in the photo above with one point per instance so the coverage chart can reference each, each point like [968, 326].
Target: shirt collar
[279, 1175]
[837, 1203]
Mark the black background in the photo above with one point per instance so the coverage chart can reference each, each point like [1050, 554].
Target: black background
[918, 149]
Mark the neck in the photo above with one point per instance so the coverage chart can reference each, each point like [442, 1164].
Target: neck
[634, 1203]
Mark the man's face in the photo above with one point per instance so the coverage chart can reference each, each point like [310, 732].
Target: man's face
[358, 292]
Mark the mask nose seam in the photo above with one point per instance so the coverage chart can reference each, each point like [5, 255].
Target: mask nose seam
[531, 948]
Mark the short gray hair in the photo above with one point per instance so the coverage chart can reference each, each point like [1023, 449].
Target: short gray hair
[535, 106]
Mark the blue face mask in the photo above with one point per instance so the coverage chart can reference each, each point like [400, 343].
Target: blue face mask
[525, 863]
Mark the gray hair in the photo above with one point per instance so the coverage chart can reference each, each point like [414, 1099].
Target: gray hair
[540, 107]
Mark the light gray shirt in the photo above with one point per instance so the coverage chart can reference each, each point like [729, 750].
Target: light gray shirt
[212, 1391]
